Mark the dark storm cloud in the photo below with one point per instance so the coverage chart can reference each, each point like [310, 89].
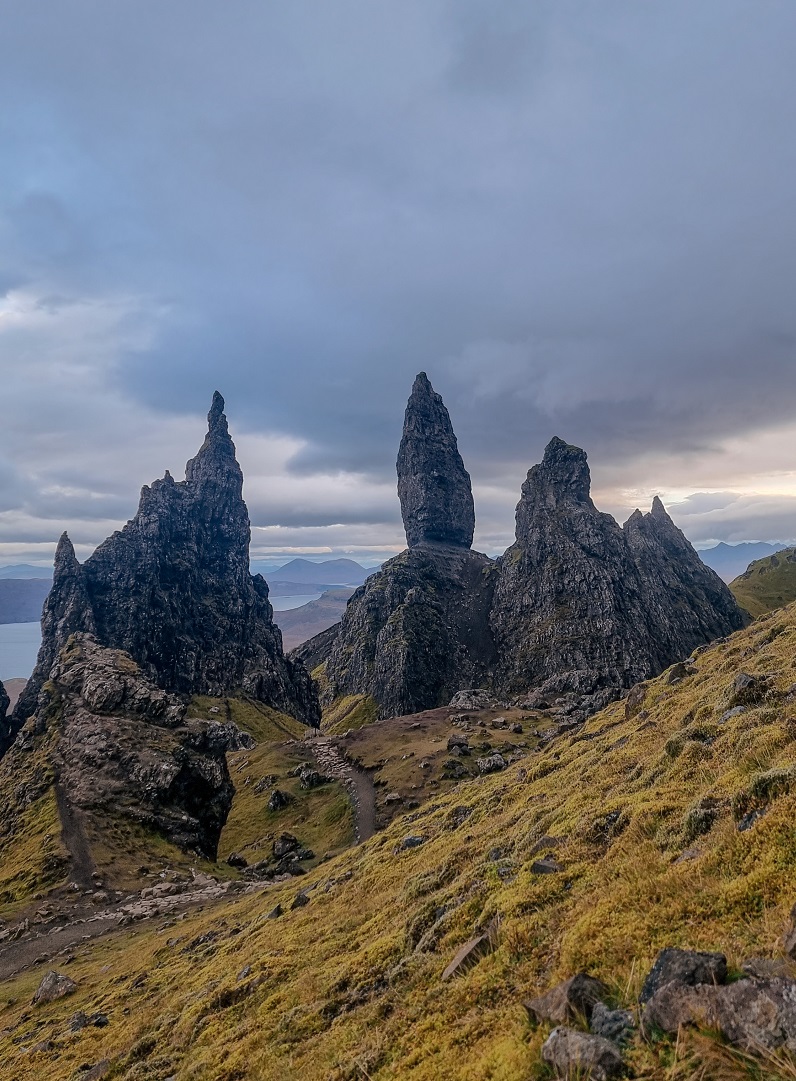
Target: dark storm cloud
[578, 217]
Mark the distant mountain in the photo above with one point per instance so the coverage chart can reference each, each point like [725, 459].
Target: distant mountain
[767, 583]
[25, 570]
[730, 560]
[299, 624]
[21, 600]
[332, 572]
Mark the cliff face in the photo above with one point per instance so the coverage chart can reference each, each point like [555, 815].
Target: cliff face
[685, 601]
[418, 630]
[173, 590]
[121, 746]
[584, 608]
[568, 614]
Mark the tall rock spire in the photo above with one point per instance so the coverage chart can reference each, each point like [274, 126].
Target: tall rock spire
[67, 609]
[173, 589]
[433, 485]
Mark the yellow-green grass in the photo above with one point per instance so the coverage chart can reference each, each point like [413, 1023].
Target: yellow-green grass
[32, 856]
[351, 711]
[321, 817]
[409, 756]
[767, 583]
[336, 989]
[265, 724]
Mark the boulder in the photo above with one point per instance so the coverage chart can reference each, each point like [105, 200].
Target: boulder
[492, 763]
[568, 1001]
[614, 1025]
[746, 690]
[579, 1055]
[53, 986]
[676, 1003]
[684, 966]
[472, 699]
[285, 844]
[758, 1014]
[278, 800]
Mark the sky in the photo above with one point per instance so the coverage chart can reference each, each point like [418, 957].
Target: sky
[578, 216]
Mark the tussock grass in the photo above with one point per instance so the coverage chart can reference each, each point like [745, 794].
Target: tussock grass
[340, 989]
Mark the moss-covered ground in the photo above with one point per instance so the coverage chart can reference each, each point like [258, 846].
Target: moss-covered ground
[767, 583]
[642, 814]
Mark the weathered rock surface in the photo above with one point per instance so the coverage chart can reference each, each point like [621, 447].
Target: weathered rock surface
[53, 986]
[686, 602]
[433, 485]
[684, 966]
[173, 590]
[316, 649]
[417, 631]
[579, 1055]
[567, 1001]
[754, 1014]
[584, 608]
[614, 1025]
[125, 746]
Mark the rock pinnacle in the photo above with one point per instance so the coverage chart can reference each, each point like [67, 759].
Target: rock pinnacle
[433, 485]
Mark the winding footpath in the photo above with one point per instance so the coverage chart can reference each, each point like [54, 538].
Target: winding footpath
[356, 782]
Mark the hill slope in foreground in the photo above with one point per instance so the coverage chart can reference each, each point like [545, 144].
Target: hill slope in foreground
[767, 583]
[665, 820]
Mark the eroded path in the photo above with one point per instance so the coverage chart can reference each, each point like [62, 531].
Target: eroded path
[356, 782]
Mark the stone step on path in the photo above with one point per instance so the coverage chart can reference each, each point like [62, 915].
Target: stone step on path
[357, 783]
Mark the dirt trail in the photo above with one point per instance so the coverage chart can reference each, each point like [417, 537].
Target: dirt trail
[356, 782]
[73, 835]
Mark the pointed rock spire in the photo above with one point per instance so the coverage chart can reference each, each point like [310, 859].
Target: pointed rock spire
[433, 485]
[67, 609]
[173, 589]
[215, 460]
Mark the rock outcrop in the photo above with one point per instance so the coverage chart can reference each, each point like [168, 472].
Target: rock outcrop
[418, 630]
[686, 602]
[584, 608]
[173, 590]
[433, 485]
[125, 748]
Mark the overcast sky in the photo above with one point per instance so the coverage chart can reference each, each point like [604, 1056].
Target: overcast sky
[578, 216]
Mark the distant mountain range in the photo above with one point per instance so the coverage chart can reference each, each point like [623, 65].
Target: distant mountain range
[300, 624]
[730, 560]
[25, 570]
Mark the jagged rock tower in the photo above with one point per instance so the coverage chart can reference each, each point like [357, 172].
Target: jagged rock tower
[584, 608]
[173, 590]
[417, 631]
[433, 485]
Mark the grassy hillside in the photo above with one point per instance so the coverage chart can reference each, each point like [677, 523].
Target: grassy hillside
[642, 815]
[767, 583]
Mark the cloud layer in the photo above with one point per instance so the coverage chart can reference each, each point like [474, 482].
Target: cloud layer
[577, 217]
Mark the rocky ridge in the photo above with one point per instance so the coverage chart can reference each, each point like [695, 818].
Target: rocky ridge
[577, 611]
[173, 590]
[585, 608]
